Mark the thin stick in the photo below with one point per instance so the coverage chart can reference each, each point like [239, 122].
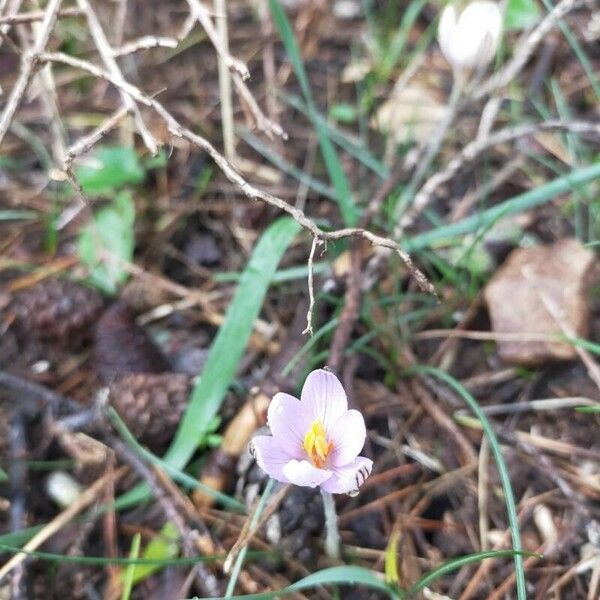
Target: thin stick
[200, 13]
[106, 54]
[526, 49]
[225, 83]
[28, 63]
[36, 15]
[61, 520]
[311, 288]
[472, 150]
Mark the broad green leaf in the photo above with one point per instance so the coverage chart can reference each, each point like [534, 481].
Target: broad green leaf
[227, 348]
[164, 546]
[521, 14]
[3, 475]
[110, 234]
[109, 169]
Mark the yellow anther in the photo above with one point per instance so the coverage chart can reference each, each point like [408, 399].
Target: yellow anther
[316, 445]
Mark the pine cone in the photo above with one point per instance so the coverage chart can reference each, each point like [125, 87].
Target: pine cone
[123, 348]
[57, 310]
[151, 405]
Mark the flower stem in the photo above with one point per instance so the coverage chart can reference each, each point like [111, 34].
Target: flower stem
[332, 533]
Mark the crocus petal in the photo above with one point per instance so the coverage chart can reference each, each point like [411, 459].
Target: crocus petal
[301, 472]
[477, 34]
[349, 478]
[323, 398]
[270, 457]
[446, 28]
[348, 436]
[288, 423]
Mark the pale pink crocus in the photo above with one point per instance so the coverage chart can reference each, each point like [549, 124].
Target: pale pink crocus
[315, 440]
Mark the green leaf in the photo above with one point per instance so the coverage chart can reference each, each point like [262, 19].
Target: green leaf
[229, 345]
[391, 562]
[227, 348]
[164, 546]
[130, 569]
[521, 14]
[520, 203]
[3, 475]
[457, 563]
[344, 575]
[350, 213]
[509, 497]
[343, 112]
[110, 233]
[109, 169]
[176, 474]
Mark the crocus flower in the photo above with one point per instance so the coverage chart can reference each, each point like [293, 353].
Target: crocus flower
[469, 38]
[315, 440]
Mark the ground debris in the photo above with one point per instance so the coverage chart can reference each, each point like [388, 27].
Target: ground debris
[540, 294]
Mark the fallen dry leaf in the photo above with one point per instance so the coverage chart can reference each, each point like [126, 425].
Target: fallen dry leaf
[410, 113]
[540, 291]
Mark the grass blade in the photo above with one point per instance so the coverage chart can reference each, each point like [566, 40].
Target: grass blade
[231, 340]
[509, 497]
[226, 350]
[339, 180]
[176, 474]
[515, 205]
[345, 575]
[457, 563]
[130, 570]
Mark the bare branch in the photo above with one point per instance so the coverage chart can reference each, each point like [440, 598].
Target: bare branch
[311, 287]
[471, 151]
[522, 54]
[145, 43]
[28, 63]
[106, 53]
[234, 177]
[203, 17]
[35, 15]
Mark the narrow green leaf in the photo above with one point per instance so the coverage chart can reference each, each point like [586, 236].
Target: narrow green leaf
[165, 546]
[102, 561]
[176, 474]
[457, 563]
[520, 203]
[130, 570]
[509, 497]
[344, 575]
[350, 213]
[3, 475]
[231, 340]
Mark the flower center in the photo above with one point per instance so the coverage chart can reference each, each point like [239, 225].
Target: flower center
[316, 445]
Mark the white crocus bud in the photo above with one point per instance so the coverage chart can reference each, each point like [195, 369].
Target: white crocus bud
[469, 38]
[63, 488]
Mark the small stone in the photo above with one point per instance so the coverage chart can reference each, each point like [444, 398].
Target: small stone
[540, 290]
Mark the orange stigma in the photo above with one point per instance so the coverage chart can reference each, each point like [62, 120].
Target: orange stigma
[316, 445]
